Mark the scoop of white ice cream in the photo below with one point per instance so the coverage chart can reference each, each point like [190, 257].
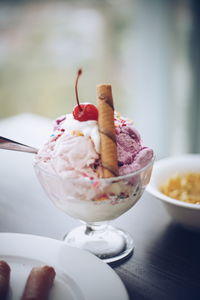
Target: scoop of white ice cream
[88, 128]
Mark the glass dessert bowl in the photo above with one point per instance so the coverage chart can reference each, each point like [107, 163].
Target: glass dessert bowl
[94, 203]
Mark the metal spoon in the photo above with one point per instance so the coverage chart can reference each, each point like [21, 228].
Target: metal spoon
[12, 145]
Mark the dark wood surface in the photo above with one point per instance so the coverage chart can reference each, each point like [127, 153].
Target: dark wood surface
[166, 261]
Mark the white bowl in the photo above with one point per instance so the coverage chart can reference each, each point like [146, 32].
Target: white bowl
[184, 213]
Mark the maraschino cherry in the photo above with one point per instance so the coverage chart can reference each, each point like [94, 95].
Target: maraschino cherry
[84, 112]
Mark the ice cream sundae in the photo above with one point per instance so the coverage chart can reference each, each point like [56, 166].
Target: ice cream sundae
[94, 166]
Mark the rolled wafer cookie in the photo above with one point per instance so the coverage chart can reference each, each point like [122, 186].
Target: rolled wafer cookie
[39, 283]
[108, 144]
[4, 279]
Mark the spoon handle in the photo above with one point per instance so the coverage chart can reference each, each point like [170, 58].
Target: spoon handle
[12, 145]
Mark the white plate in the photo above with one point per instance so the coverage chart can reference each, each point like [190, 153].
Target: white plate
[79, 274]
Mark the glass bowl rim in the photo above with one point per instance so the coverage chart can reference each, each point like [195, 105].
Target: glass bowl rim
[104, 180]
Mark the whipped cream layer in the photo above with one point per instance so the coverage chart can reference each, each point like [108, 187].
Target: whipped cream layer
[87, 128]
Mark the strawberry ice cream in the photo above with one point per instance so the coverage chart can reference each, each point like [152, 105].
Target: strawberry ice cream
[132, 154]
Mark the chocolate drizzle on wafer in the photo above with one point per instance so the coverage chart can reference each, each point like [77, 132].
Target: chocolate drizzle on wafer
[108, 134]
[107, 100]
[39, 283]
[107, 130]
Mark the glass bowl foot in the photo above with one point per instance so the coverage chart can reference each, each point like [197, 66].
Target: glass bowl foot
[108, 243]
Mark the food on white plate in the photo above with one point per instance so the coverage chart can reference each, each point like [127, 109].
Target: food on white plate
[4, 279]
[39, 283]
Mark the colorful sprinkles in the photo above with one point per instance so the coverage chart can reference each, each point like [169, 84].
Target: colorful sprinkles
[119, 121]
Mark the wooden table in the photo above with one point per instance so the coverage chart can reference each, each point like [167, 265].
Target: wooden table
[166, 261]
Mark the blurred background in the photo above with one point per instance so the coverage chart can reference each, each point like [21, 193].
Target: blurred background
[148, 50]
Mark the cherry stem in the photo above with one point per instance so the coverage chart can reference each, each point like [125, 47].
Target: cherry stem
[76, 88]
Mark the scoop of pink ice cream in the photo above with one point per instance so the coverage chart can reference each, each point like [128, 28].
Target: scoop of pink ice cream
[69, 154]
[132, 155]
[128, 144]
